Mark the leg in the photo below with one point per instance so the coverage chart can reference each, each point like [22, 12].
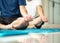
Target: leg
[20, 23]
[3, 23]
[3, 26]
[37, 22]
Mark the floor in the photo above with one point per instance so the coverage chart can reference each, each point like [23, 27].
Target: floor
[51, 26]
[47, 26]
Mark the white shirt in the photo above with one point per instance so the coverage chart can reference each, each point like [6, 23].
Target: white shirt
[32, 5]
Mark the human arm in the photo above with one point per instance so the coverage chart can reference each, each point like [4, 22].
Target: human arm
[41, 13]
[24, 13]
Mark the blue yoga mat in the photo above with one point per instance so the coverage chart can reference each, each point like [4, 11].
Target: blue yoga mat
[44, 30]
[4, 33]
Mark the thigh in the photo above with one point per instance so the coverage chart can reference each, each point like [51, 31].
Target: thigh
[6, 21]
[2, 20]
[9, 20]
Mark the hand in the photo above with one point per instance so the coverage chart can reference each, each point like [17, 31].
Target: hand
[45, 19]
[28, 18]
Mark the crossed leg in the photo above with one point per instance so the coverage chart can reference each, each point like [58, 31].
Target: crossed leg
[21, 23]
[18, 23]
